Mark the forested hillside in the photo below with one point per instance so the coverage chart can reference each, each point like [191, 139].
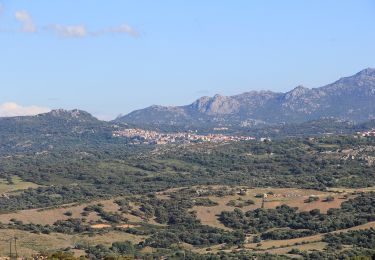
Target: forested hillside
[63, 174]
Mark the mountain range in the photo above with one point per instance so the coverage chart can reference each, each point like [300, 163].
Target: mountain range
[349, 98]
[341, 107]
[76, 130]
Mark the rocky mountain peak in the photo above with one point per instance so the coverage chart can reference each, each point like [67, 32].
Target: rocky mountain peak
[218, 97]
[297, 92]
[349, 98]
[74, 114]
[365, 79]
[366, 72]
[63, 112]
[216, 105]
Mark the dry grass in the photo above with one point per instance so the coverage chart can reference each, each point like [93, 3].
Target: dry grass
[109, 205]
[29, 243]
[203, 250]
[268, 244]
[305, 247]
[108, 238]
[208, 215]
[50, 216]
[100, 226]
[290, 197]
[349, 190]
[299, 202]
[128, 226]
[18, 184]
[310, 243]
[148, 250]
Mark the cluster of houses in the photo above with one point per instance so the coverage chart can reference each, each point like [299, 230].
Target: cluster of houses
[153, 137]
[368, 133]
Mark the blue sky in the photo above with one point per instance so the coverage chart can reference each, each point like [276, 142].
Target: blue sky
[111, 57]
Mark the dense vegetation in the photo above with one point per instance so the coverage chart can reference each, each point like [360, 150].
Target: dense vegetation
[352, 213]
[360, 238]
[77, 174]
[75, 159]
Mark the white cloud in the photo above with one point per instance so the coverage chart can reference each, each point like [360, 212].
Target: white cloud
[26, 20]
[1, 9]
[78, 31]
[9, 109]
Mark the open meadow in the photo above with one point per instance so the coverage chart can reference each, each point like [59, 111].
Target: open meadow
[103, 230]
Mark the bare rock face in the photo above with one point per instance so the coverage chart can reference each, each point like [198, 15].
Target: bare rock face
[350, 98]
[302, 100]
[217, 105]
[74, 114]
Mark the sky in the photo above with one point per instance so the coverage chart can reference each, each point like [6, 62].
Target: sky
[112, 57]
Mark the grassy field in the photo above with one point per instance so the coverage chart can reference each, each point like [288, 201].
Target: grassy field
[348, 190]
[313, 246]
[282, 247]
[29, 243]
[269, 244]
[50, 216]
[290, 197]
[15, 185]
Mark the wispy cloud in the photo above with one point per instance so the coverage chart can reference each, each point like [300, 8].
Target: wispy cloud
[26, 20]
[9, 109]
[77, 31]
[1, 8]
[81, 31]
[124, 28]
[71, 31]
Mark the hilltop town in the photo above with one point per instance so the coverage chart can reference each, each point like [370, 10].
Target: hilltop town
[368, 133]
[139, 136]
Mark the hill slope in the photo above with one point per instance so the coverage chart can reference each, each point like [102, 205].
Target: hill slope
[56, 129]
